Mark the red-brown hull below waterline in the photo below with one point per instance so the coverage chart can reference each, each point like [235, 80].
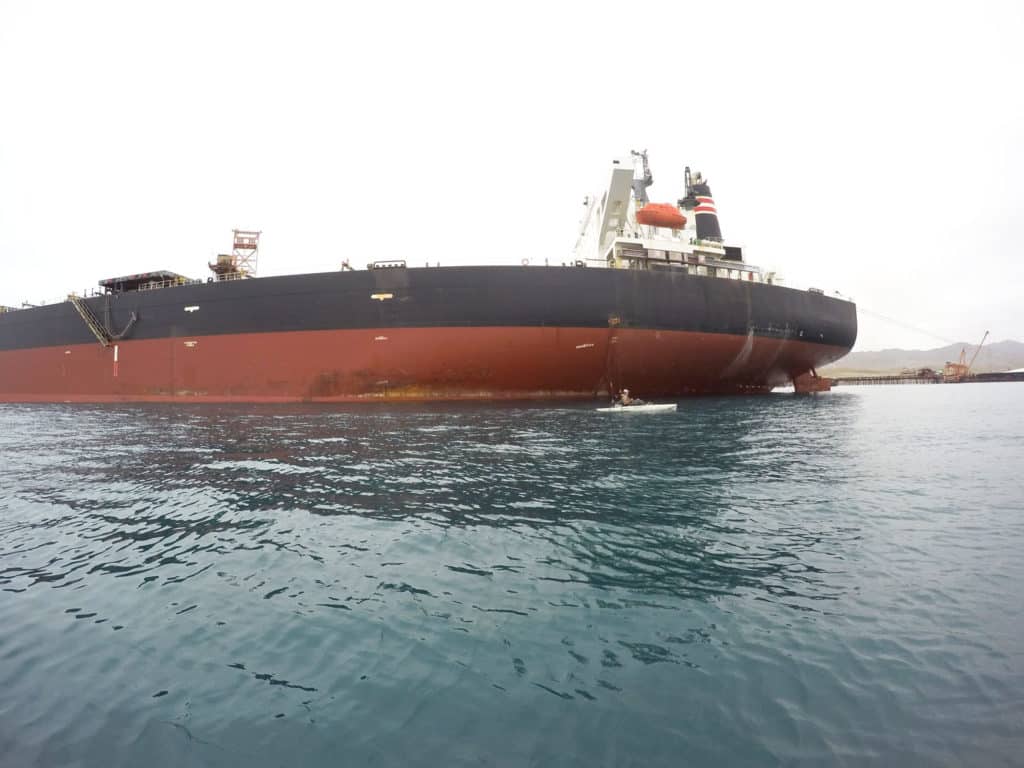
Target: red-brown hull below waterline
[417, 364]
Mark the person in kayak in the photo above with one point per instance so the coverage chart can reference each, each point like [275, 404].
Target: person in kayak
[624, 399]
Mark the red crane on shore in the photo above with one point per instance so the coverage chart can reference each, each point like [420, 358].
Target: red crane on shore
[956, 372]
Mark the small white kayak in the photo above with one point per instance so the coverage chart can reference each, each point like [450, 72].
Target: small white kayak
[645, 408]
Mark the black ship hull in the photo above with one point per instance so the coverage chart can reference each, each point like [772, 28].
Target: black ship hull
[426, 333]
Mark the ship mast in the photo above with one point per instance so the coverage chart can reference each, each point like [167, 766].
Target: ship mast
[640, 185]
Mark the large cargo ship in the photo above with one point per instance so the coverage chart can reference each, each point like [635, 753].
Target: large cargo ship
[652, 300]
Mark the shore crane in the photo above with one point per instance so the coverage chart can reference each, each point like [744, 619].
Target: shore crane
[958, 371]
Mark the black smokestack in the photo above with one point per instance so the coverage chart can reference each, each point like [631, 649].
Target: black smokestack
[699, 200]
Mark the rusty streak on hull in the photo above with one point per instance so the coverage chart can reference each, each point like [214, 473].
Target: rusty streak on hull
[416, 364]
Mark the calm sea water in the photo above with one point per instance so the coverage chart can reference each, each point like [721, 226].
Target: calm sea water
[748, 581]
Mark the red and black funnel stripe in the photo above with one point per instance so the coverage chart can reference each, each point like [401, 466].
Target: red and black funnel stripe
[706, 212]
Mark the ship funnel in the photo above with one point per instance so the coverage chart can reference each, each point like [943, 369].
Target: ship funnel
[699, 200]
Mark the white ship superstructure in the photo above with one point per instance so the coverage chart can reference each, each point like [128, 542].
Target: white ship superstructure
[613, 232]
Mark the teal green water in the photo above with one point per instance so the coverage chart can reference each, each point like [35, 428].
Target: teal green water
[749, 581]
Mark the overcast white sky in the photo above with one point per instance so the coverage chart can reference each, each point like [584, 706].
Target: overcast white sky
[873, 149]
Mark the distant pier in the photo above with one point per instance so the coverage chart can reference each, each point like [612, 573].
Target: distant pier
[931, 377]
[979, 378]
[921, 376]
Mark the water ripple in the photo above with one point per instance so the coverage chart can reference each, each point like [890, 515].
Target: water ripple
[748, 581]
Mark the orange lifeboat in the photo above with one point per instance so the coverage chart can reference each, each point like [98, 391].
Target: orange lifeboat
[661, 215]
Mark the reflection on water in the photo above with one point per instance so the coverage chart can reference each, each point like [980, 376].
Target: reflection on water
[153, 490]
[466, 584]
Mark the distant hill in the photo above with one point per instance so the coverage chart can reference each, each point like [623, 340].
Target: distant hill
[998, 356]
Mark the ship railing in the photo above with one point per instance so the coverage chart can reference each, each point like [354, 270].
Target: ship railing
[43, 303]
[150, 286]
[226, 277]
[175, 283]
[629, 255]
[157, 284]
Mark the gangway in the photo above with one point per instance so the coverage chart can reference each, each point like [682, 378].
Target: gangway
[99, 330]
[101, 334]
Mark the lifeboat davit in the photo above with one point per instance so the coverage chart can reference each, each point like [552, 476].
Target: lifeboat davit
[661, 215]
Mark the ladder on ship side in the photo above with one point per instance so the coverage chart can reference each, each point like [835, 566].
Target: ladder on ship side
[101, 333]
